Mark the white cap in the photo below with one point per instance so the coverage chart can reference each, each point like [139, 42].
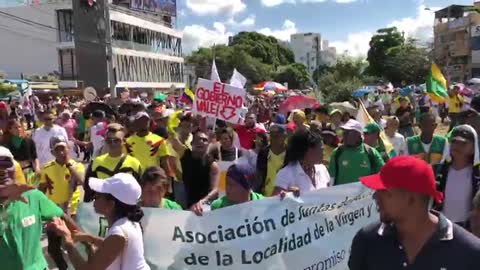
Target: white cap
[123, 186]
[167, 113]
[353, 125]
[5, 152]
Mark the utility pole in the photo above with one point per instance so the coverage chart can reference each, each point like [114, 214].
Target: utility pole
[108, 43]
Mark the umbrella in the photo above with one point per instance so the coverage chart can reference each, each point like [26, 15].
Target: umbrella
[297, 103]
[94, 106]
[344, 107]
[270, 86]
[361, 92]
[464, 90]
[474, 81]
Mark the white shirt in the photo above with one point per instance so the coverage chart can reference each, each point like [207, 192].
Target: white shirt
[458, 194]
[97, 140]
[399, 143]
[41, 137]
[293, 175]
[132, 257]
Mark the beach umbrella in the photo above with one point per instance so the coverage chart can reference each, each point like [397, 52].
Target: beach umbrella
[297, 103]
[270, 86]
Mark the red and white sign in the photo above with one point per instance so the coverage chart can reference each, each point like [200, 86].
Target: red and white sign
[220, 100]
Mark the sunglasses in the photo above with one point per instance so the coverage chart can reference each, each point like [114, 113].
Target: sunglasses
[113, 140]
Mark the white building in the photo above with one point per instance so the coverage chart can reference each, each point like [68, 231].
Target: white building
[39, 39]
[312, 51]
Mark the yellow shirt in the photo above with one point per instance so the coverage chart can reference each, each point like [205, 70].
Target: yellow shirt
[103, 166]
[19, 176]
[148, 150]
[57, 177]
[455, 104]
[274, 164]
[178, 154]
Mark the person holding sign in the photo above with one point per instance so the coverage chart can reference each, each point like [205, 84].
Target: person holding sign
[240, 178]
[302, 169]
[410, 235]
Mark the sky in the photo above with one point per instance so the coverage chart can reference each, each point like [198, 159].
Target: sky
[347, 24]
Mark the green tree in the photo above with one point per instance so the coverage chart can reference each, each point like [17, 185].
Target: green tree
[296, 75]
[380, 44]
[254, 55]
[407, 62]
[347, 75]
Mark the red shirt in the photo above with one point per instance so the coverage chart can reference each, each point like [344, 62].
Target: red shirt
[247, 136]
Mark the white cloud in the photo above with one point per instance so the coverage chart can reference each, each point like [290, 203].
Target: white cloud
[288, 28]
[214, 7]
[419, 27]
[357, 44]
[272, 3]
[195, 36]
[247, 22]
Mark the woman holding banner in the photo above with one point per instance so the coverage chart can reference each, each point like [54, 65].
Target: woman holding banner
[303, 170]
[116, 198]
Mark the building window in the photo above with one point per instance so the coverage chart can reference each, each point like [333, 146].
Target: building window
[68, 64]
[65, 25]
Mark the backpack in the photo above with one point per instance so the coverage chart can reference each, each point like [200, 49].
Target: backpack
[370, 154]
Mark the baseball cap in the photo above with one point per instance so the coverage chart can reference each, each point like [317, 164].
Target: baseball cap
[6, 156]
[335, 111]
[463, 133]
[123, 186]
[353, 125]
[280, 119]
[371, 128]
[278, 129]
[406, 172]
[242, 174]
[57, 141]
[140, 115]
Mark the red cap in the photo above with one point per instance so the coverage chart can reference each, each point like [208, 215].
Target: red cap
[3, 105]
[407, 172]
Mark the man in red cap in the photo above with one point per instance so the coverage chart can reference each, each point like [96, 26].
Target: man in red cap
[410, 235]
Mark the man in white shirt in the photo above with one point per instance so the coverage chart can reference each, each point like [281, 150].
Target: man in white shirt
[97, 131]
[41, 137]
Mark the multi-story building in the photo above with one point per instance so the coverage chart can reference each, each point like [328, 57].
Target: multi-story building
[457, 42]
[71, 40]
[312, 51]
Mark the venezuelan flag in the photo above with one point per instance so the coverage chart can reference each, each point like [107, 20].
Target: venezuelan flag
[437, 85]
[364, 118]
[188, 96]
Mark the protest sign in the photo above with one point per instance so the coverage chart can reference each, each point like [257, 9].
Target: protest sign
[312, 232]
[220, 101]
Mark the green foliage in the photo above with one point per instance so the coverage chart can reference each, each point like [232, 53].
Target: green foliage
[337, 84]
[6, 87]
[258, 57]
[407, 62]
[296, 75]
[380, 43]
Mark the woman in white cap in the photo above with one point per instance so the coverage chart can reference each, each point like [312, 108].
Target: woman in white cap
[122, 249]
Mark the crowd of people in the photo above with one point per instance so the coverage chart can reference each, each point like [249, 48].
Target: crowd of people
[158, 153]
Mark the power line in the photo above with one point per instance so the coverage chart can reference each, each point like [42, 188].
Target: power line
[26, 21]
[6, 28]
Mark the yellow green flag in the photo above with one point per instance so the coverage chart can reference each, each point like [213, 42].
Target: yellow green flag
[437, 85]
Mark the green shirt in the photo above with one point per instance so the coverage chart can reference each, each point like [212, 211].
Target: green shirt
[224, 201]
[168, 204]
[20, 246]
[353, 163]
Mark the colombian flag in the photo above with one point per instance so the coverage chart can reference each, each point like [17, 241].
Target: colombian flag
[188, 96]
[436, 85]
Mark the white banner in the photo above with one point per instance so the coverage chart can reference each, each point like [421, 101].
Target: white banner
[219, 100]
[312, 232]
